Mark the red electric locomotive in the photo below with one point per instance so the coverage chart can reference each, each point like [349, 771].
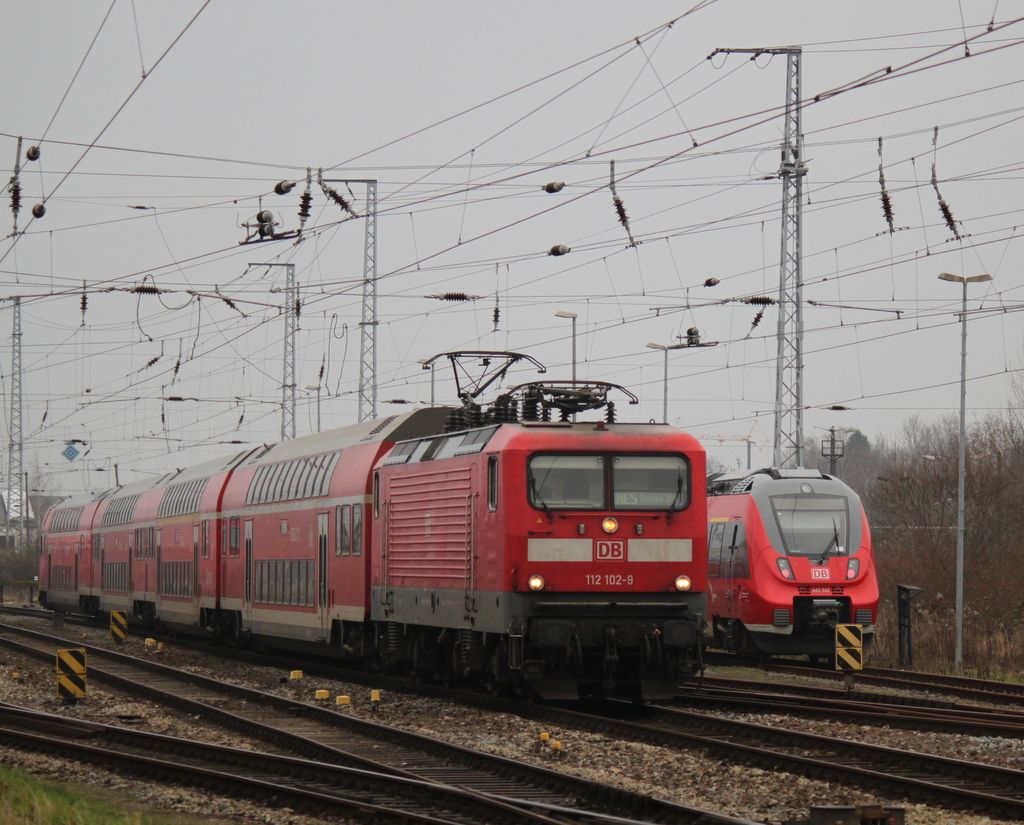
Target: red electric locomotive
[789, 557]
[563, 557]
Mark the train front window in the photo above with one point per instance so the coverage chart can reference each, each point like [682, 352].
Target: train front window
[566, 482]
[650, 482]
[814, 526]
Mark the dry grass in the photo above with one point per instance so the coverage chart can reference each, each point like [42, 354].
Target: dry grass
[989, 654]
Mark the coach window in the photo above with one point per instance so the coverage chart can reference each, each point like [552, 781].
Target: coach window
[344, 530]
[357, 529]
[234, 538]
[206, 538]
[376, 495]
[716, 532]
[293, 582]
[492, 483]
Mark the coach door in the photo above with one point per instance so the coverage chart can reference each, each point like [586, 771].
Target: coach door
[248, 570]
[323, 579]
[735, 555]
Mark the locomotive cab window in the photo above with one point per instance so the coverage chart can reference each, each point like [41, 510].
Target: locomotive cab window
[567, 482]
[811, 525]
[650, 482]
[579, 481]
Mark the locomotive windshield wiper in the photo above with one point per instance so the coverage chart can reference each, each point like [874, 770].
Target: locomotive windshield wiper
[834, 540]
[539, 498]
[679, 496]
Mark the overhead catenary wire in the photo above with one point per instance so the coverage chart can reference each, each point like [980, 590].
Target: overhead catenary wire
[465, 194]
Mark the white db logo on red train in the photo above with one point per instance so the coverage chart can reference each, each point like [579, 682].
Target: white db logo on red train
[609, 550]
[820, 573]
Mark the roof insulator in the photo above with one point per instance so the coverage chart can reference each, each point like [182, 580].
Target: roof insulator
[559, 249]
[554, 186]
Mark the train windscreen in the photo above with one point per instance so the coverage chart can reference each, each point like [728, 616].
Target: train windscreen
[812, 525]
[576, 481]
[650, 482]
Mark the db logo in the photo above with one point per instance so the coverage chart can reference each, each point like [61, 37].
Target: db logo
[820, 573]
[609, 550]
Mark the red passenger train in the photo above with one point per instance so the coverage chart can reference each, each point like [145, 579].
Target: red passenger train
[561, 557]
[789, 557]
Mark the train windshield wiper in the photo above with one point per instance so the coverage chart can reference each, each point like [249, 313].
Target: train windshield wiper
[679, 496]
[832, 541]
[539, 498]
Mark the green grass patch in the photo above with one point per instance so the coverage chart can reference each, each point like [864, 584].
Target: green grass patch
[27, 800]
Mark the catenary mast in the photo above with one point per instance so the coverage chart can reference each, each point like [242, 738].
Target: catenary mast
[789, 365]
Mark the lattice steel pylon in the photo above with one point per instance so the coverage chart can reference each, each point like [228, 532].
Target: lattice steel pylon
[789, 402]
[368, 324]
[14, 504]
[291, 323]
[789, 365]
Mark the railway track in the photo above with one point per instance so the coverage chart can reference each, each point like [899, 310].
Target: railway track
[976, 690]
[860, 706]
[293, 727]
[955, 783]
[931, 780]
[273, 778]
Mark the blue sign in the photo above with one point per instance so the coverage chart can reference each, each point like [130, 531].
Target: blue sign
[70, 452]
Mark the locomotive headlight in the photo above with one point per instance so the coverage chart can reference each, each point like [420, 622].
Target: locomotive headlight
[852, 568]
[535, 583]
[683, 583]
[610, 525]
[785, 569]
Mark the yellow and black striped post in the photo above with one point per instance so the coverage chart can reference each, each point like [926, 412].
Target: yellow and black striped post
[71, 674]
[118, 625]
[849, 647]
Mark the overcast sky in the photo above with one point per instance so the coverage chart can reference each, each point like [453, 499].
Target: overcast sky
[164, 127]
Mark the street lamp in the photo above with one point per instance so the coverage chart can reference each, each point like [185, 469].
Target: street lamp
[571, 315]
[427, 365]
[958, 654]
[666, 348]
[692, 340]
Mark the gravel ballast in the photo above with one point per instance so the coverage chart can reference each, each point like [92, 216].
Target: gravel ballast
[690, 778]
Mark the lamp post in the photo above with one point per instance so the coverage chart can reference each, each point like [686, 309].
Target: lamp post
[958, 654]
[429, 366]
[666, 348]
[572, 316]
[692, 340]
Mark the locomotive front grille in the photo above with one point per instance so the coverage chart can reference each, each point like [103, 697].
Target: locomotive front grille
[603, 606]
[863, 617]
[780, 617]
